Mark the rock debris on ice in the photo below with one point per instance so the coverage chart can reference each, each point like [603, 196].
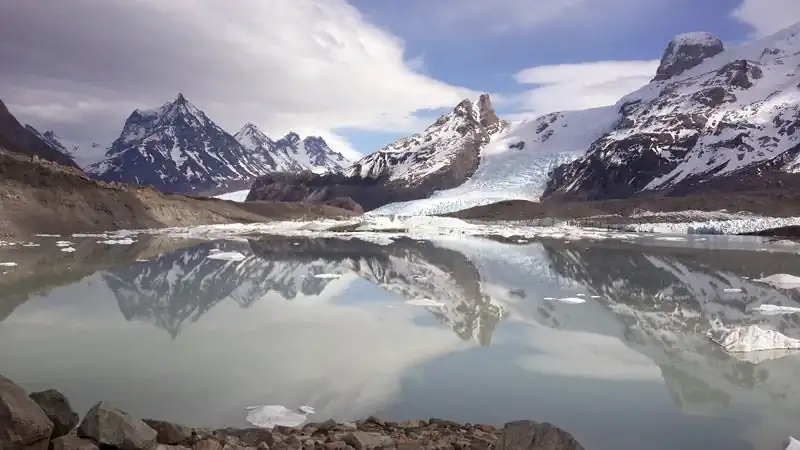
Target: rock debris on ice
[752, 338]
[227, 256]
[269, 416]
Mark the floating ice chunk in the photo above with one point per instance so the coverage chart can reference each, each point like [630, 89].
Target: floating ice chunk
[794, 444]
[752, 338]
[8, 264]
[125, 241]
[328, 276]
[268, 416]
[68, 249]
[424, 302]
[30, 244]
[63, 244]
[214, 250]
[48, 235]
[774, 310]
[227, 256]
[781, 281]
[549, 298]
[580, 295]
[570, 300]
[142, 260]
[597, 296]
[731, 290]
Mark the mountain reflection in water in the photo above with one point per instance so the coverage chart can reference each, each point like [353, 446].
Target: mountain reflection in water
[267, 330]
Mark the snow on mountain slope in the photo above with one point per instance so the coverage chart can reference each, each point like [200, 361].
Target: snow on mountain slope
[515, 164]
[290, 153]
[177, 148]
[729, 112]
[83, 156]
[455, 139]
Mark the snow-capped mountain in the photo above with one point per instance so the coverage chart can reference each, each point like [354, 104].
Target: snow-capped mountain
[177, 148]
[291, 153]
[712, 118]
[517, 163]
[24, 140]
[442, 156]
[50, 138]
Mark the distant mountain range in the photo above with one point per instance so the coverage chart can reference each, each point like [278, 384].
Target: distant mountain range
[177, 148]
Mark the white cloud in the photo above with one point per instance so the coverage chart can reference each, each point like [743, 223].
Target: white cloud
[282, 64]
[767, 16]
[564, 87]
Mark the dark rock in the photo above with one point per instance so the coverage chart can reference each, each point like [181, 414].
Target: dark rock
[335, 445]
[365, 441]
[683, 54]
[112, 427]
[444, 423]
[529, 435]
[207, 444]
[346, 203]
[71, 442]
[23, 424]
[249, 436]
[170, 433]
[58, 410]
[294, 442]
[410, 445]
[169, 447]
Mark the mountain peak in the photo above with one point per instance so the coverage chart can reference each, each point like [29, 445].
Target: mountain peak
[180, 99]
[686, 51]
[291, 137]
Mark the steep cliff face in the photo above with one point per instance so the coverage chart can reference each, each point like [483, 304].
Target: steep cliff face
[711, 118]
[444, 156]
[16, 138]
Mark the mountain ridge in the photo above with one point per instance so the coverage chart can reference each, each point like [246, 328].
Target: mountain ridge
[177, 148]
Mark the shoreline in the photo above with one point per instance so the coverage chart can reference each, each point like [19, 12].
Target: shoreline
[45, 421]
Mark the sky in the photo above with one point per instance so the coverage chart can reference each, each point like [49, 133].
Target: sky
[360, 73]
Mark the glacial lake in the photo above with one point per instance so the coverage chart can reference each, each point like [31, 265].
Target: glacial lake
[160, 330]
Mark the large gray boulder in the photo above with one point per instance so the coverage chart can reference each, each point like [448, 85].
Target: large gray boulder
[111, 427]
[58, 410]
[72, 442]
[529, 435]
[23, 424]
[170, 433]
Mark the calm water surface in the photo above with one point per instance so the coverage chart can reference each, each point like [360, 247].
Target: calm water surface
[162, 331]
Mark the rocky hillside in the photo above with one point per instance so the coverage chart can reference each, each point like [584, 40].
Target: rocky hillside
[445, 155]
[177, 148]
[712, 120]
[27, 141]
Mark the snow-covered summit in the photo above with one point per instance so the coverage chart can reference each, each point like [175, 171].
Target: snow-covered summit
[178, 148]
[686, 51]
[291, 153]
[449, 149]
[733, 115]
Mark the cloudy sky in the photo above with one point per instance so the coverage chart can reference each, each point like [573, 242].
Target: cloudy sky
[359, 72]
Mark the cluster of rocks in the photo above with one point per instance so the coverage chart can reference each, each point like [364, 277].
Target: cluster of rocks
[46, 421]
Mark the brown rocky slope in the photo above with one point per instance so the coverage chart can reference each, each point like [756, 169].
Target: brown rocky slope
[38, 196]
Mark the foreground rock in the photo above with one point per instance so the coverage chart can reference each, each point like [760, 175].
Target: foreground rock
[23, 425]
[111, 427]
[58, 410]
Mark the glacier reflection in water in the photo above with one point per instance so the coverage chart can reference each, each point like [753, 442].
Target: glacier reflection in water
[163, 331]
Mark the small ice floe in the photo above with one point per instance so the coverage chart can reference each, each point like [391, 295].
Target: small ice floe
[570, 300]
[142, 260]
[774, 310]
[63, 244]
[424, 302]
[124, 241]
[328, 276]
[214, 250]
[269, 416]
[295, 243]
[30, 244]
[781, 281]
[227, 256]
[752, 338]
[580, 295]
[8, 264]
[68, 249]
[597, 296]
[49, 235]
[549, 298]
[731, 290]
[794, 444]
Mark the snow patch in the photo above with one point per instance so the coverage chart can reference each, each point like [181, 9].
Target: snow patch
[425, 302]
[269, 416]
[237, 196]
[227, 256]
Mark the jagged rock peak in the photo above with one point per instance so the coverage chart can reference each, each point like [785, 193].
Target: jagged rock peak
[481, 110]
[686, 51]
